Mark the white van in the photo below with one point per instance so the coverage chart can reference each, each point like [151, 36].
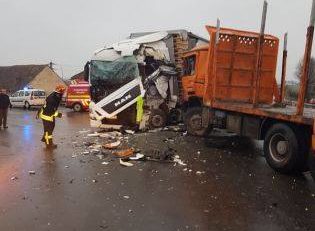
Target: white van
[28, 98]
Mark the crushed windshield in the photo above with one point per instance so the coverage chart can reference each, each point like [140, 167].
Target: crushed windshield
[114, 73]
[108, 76]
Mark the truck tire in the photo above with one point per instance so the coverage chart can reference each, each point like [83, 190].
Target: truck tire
[157, 118]
[77, 107]
[281, 148]
[193, 122]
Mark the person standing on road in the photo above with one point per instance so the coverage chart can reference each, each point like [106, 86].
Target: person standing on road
[48, 113]
[4, 106]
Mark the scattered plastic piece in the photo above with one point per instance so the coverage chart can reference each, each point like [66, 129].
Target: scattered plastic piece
[112, 145]
[95, 146]
[124, 163]
[130, 132]
[125, 153]
[95, 150]
[31, 172]
[105, 163]
[137, 157]
[100, 156]
[14, 178]
[95, 134]
[126, 197]
[84, 131]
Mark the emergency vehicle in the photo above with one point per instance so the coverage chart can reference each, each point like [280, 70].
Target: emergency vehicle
[78, 96]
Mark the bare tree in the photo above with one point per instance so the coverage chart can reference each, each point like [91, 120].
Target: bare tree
[311, 80]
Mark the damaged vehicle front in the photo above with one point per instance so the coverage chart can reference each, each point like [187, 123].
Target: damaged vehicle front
[133, 84]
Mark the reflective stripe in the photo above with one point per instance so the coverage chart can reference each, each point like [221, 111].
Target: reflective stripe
[140, 102]
[48, 118]
[86, 103]
[47, 137]
[78, 97]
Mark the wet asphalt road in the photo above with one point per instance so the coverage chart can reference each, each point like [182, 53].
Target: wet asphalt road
[235, 189]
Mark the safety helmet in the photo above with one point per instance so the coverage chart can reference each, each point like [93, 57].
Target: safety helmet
[60, 89]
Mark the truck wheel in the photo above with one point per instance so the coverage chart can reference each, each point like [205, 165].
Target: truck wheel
[193, 122]
[157, 118]
[77, 107]
[281, 148]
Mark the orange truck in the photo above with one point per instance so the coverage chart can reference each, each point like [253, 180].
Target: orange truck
[231, 84]
[78, 96]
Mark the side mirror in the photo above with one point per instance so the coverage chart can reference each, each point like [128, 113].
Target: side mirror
[86, 71]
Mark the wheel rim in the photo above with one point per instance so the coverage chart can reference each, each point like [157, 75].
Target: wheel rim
[195, 122]
[77, 107]
[157, 121]
[279, 148]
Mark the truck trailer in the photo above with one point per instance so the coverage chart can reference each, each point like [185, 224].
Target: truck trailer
[231, 84]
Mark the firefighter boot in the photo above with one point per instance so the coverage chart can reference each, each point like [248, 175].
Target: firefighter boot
[51, 145]
[49, 141]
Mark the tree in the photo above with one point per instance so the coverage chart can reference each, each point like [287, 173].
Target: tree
[311, 80]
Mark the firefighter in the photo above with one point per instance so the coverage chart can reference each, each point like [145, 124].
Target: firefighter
[48, 113]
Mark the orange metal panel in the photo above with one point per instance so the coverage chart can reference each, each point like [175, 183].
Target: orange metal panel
[240, 94]
[234, 64]
[242, 78]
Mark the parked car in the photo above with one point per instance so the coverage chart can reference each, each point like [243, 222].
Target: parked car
[28, 98]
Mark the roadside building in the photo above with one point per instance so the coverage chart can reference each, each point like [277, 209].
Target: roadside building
[17, 77]
[78, 76]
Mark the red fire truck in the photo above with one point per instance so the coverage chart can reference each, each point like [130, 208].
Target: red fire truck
[78, 96]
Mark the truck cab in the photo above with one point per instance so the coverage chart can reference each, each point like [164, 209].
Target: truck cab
[194, 73]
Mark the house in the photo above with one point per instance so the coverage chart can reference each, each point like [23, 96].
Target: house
[17, 77]
[79, 76]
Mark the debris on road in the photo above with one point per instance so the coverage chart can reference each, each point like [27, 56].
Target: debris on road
[137, 157]
[14, 178]
[199, 172]
[130, 132]
[124, 153]
[31, 172]
[95, 134]
[125, 163]
[179, 161]
[84, 131]
[112, 145]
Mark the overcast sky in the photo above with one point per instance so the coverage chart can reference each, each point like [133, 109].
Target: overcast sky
[67, 32]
